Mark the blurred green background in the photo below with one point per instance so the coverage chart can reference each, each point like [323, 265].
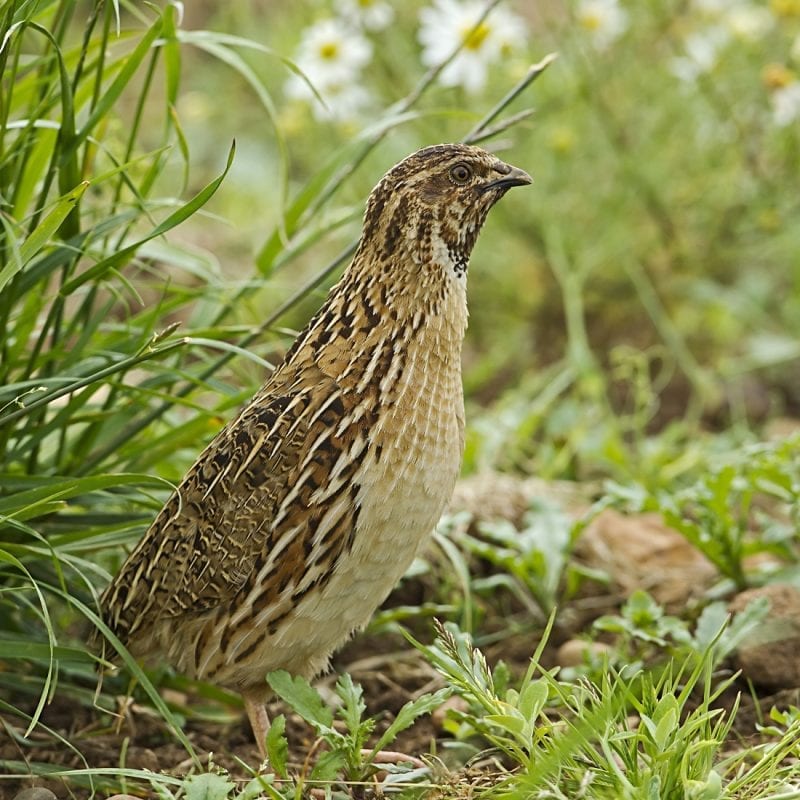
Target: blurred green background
[659, 241]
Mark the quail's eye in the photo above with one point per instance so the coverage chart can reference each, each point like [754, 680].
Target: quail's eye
[460, 173]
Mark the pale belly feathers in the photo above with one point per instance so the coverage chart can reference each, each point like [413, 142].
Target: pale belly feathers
[403, 492]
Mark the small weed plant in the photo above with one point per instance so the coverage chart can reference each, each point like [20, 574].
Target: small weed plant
[629, 734]
[742, 504]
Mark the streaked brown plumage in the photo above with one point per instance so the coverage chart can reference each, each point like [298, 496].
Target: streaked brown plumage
[302, 514]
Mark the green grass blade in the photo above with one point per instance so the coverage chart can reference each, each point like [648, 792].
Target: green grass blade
[29, 650]
[10, 559]
[25, 504]
[43, 233]
[122, 366]
[123, 78]
[183, 213]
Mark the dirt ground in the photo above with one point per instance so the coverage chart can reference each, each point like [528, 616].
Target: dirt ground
[390, 678]
[632, 551]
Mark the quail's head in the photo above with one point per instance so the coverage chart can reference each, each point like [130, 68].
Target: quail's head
[431, 205]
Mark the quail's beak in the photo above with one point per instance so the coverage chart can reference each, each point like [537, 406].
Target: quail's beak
[509, 176]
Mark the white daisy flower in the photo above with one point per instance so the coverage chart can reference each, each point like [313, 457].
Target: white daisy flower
[448, 23]
[701, 53]
[748, 22]
[330, 50]
[331, 55]
[786, 104]
[342, 100]
[605, 20]
[373, 15]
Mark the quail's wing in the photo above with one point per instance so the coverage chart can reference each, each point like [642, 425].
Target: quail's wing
[255, 497]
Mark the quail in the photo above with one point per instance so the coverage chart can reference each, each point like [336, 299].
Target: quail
[301, 515]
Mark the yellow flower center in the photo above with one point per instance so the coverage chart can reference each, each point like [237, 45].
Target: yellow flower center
[474, 37]
[329, 50]
[776, 76]
[591, 21]
[365, 3]
[562, 140]
[785, 8]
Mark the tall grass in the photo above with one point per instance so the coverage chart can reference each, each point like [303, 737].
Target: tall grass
[87, 130]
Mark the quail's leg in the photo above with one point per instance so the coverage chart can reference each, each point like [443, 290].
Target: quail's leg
[259, 721]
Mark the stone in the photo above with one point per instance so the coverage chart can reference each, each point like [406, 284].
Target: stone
[35, 793]
[770, 656]
[577, 652]
[638, 551]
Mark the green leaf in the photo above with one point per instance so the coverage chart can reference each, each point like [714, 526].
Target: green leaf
[26, 504]
[508, 722]
[408, 714]
[746, 623]
[710, 623]
[353, 706]
[44, 142]
[208, 786]
[328, 766]
[172, 53]
[68, 171]
[277, 745]
[302, 697]
[532, 699]
[42, 233]
[40, 651]
[666, 726]
[123, 78]
[710, 789]
[641, 609]
[261, 786]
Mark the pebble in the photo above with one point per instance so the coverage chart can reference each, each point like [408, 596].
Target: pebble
[575, 652]
[770, 654]
[639, 550]
[35, 793]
